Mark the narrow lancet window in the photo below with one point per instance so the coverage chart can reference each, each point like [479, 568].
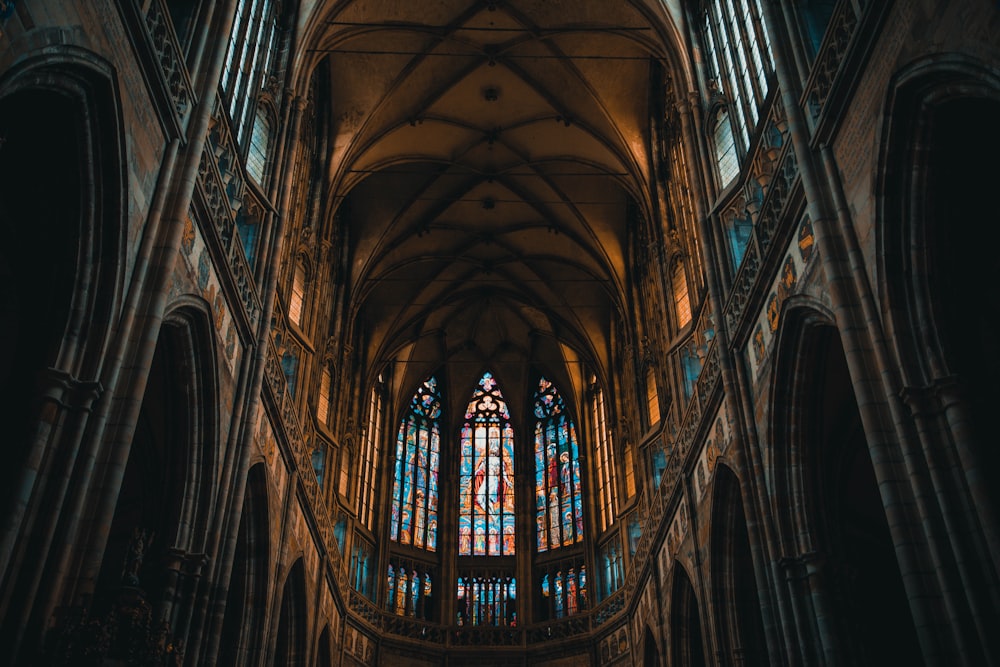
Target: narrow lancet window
[558, 505]
[414, 487]
[486, 475]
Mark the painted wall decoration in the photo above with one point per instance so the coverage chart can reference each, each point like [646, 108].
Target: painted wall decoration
[359, 645]
[675, 535]
[199, 266]
[716, 443]
[268, 445]
[614, 647]
[801, 251]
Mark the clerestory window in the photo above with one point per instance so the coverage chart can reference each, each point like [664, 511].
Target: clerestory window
[739, 58]
[249, 57]
[414, 517]
[558, 503]
[604, 456]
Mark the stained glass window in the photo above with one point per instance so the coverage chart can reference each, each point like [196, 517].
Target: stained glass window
[486, 475]
[613, 575]
[360, 574]
[414, 486]
[558, 505]
[408, 590]
[564, 593]
[487, 600]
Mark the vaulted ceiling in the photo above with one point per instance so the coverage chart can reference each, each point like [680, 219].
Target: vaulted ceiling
[488, 155]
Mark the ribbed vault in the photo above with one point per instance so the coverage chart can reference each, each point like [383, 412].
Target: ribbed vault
[489, 159]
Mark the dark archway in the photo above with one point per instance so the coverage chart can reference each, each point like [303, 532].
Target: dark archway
[962, 237]
[243, 626]
[40, 200]
[161, 507]
[851, 527]
[324, 653]
[61, 216]
[650, 651]
[149, 500]
[687, 649]
[937, 228]
[290, 644]
[734, 582]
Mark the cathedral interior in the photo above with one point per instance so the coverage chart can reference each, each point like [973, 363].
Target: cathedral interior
[499, 332]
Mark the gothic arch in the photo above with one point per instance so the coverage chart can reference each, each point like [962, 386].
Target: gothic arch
[324, 650]
[802, 325]
[191, 325]
[687, 647]
[650, 651]
[917, 135]
[291, 628]
[164, 503]
[836, 540]
[739, 622]
[62, 218]
[246, 600]
[67, 104]
[937, 248]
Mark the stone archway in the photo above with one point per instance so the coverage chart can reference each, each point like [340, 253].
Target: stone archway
[290, 640]
[686, 639]
[740, 623]
[243, 626]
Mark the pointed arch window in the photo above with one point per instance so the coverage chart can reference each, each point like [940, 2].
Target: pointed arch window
[323, 399]
[558, 505]
[486, 475]
[249, 58]
[739, 226]
[345, 470]
[361, 573]
[248, 227]
[319, 462]
[414, 518]
[629, 471]
[290, 367]
[727, 161]
[607, 482]
[738, 47]
[652, 398]
[297, 296]
[612, 567]
[682, 299]
[369, 459]
[260, 140]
